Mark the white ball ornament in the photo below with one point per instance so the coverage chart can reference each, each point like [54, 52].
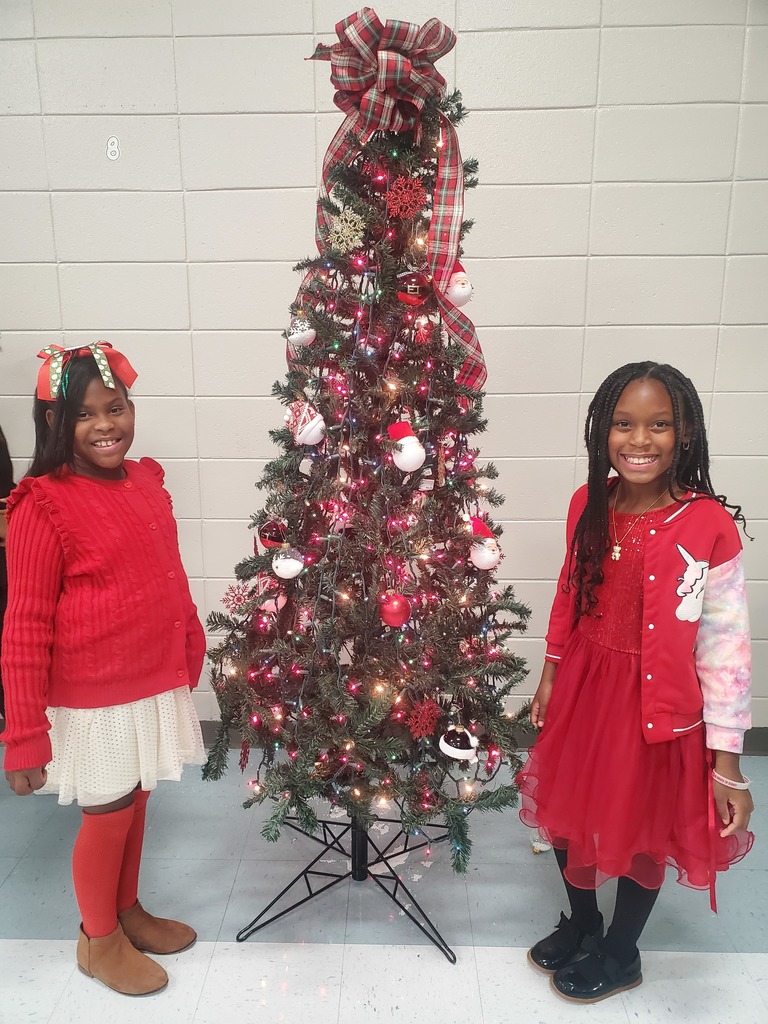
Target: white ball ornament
[288, 563]
[305, 423]
[410, 453]
[459, 289]
[301, 332]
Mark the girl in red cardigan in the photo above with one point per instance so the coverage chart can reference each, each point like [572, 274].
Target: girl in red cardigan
[101, 646]
[644, 697]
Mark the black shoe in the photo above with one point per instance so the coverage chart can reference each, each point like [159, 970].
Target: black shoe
[596, 976]
[566, 942]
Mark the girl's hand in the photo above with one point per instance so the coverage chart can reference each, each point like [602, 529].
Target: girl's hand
[542, 695]
[734, 806]
[26, 780]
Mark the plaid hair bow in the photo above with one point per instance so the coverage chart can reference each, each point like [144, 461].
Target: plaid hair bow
[110, 362]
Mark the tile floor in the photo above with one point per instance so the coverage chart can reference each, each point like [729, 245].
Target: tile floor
[351, 956]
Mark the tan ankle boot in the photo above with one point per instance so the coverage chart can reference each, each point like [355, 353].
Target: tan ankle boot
[115, 962]
[155, 934]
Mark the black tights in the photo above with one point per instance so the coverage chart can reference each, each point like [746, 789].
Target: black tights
[633, 908]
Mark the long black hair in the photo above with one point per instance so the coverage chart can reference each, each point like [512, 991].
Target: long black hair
[689, 470]
[54, 443]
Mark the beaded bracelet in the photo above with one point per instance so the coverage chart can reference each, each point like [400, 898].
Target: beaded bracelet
[729, 782]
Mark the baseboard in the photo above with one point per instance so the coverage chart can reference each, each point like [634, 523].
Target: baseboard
[755, 742]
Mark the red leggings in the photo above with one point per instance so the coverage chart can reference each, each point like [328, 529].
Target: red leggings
[105, 864]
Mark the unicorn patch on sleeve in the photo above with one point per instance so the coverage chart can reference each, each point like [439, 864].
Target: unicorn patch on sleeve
[691, 589]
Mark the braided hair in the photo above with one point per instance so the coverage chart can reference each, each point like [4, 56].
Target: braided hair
[689, 470]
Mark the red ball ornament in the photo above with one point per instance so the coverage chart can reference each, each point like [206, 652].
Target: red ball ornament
[273, 534]
[413, 288]
[395, 609]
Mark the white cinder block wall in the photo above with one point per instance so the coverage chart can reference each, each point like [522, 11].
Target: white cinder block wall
[623, 214]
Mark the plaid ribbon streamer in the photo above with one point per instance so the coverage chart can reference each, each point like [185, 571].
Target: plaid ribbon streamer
[110, 362]
[384, 74]
[443, 249]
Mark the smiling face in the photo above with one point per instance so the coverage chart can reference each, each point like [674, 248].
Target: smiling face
[103, 431]
[641, 439]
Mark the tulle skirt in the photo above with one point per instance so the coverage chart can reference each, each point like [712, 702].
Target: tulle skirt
[102, 754]
[619, 805]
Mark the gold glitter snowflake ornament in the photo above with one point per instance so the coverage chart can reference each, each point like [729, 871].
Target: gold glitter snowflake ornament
[346, 231]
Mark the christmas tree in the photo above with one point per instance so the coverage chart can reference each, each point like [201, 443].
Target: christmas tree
[364, 656]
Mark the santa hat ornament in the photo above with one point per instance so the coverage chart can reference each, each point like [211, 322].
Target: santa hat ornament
[459, 289]
[459, 744]
[410, 454]
[305, 423]
[485, 552]
[301, 332]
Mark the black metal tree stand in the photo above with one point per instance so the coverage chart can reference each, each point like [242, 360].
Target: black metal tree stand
[356, 844]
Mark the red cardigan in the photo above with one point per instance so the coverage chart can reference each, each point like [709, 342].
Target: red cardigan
[99, 608]
[695, 649]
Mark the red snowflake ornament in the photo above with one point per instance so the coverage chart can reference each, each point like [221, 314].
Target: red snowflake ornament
[423, 719]
[406, 197]
[236, 597]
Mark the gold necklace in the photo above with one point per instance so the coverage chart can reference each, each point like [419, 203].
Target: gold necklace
[617, 542]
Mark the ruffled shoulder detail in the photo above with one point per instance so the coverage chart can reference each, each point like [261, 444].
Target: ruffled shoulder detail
[22, 488]
[154, 468]
[36, 486]
[157, 474]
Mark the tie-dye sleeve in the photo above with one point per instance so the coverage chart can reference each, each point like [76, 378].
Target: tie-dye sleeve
[723, 657]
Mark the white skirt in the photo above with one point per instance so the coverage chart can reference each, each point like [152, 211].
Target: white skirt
[102, 754]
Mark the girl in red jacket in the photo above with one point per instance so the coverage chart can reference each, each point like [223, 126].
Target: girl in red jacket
[101, 646]
[644, 697]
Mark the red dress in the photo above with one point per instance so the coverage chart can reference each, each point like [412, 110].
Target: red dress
[592, 784]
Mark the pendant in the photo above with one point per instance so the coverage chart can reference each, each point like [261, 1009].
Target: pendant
[616, 553]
